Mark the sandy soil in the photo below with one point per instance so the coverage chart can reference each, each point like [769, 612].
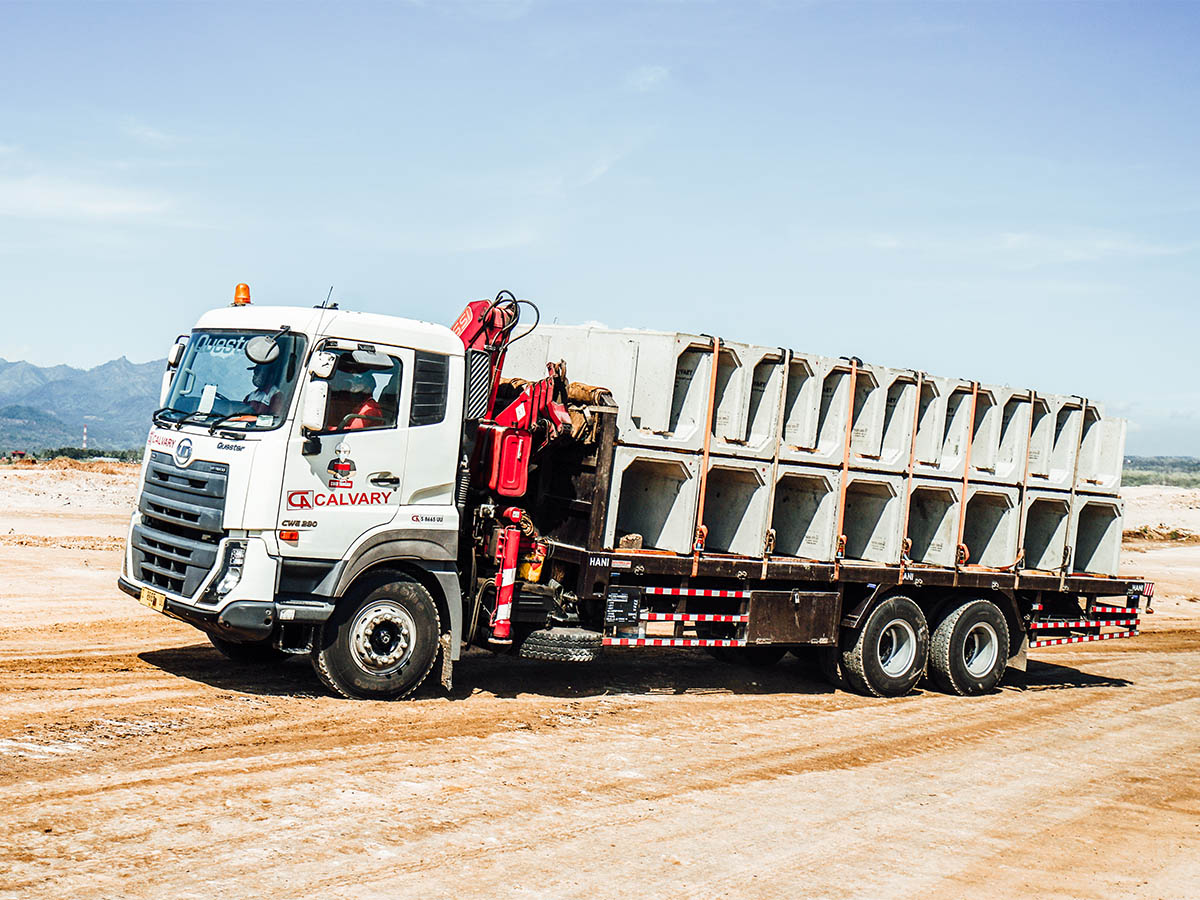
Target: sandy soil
[135, 762]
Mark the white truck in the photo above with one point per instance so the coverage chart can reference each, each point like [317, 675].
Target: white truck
[368, 491]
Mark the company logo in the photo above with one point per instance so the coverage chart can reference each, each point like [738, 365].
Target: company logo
[318, 500]
[183, 453]
[160, 440]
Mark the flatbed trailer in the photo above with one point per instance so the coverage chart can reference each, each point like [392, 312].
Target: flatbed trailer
[726, 602]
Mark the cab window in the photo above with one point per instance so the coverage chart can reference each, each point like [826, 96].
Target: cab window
[364, 392]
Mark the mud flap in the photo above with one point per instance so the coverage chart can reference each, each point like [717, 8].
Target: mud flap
[448, 663]
[1018, 662]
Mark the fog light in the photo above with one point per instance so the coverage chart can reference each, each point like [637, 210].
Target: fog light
[229, 581]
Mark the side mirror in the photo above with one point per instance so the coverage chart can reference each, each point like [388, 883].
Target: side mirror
[323, 363]
[262, 349]
[164, 389]
[175, 354]
[316, 398]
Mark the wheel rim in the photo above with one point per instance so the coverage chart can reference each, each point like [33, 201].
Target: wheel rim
[980, 649]
[897, 648]
[381, 637]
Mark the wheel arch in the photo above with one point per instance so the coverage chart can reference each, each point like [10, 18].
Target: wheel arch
[441, 582]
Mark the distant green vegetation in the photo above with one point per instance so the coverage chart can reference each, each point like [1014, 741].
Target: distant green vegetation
[1176, 471]
[78, 453]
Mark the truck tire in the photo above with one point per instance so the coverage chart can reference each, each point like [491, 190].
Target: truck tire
[257, 653]
[563, 645]
[969, 650]
[886, 656]
[380, 643]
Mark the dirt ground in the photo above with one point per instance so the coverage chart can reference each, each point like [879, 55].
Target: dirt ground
[136, 763]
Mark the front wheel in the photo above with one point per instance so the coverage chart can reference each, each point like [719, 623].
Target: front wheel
[886, 657]
[970, 649]
[380, 643]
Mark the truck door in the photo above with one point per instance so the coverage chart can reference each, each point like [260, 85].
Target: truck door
[354, 483]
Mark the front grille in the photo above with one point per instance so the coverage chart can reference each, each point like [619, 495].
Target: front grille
[175, 544]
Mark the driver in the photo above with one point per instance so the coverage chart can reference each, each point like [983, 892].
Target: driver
[266, 398]
[352, 401]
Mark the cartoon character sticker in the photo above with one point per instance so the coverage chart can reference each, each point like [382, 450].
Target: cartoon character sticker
[341, 468]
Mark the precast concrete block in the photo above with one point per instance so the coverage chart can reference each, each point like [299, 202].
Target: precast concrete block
[815, 409]
[737, 495]
[1101, 452]
[991, 524]
[1096, 534]
[659, 380]
[654, 494]
[750, 381]
[1054, 440]
[882, 428]
[934, 510]
[943, 426]
[804, 515]
[1001, 434]
[871, 523]
[1047, 529]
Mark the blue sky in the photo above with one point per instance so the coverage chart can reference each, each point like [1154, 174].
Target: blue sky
[1000, 191]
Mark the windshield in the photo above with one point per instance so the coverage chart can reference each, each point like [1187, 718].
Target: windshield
[217, 382]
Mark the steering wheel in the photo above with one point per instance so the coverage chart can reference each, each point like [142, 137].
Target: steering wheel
[347, 419]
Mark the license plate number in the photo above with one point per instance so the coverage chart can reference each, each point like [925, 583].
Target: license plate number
[153, 599]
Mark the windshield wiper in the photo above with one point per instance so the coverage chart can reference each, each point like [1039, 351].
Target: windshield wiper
[212, 429]
[162, 412]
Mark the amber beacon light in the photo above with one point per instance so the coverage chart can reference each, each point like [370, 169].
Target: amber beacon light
[241, 295]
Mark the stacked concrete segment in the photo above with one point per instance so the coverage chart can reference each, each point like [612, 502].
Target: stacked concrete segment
[797, 455]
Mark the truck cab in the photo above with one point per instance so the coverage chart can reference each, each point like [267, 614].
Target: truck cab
[295, 452]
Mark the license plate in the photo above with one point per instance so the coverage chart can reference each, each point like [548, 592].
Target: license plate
[152, 599]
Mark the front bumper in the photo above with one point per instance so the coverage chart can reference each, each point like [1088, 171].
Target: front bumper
[243, 621]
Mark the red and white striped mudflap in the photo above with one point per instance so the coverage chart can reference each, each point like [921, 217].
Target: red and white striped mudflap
[1083, 623]
[671, 642]
[1118, 610]
[693, 592]
[1082, 639]
[507, 554]
[692, 617]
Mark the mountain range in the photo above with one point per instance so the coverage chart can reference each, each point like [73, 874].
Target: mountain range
[47, 406]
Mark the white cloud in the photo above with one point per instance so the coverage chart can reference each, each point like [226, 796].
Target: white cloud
[41, 197]
[7, 148]
[644, 79]
[148, 134]
[1029, 249]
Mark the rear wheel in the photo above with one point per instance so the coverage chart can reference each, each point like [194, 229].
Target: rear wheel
[886, 657]
[380, 643]
[969, 650]
[258, 652]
